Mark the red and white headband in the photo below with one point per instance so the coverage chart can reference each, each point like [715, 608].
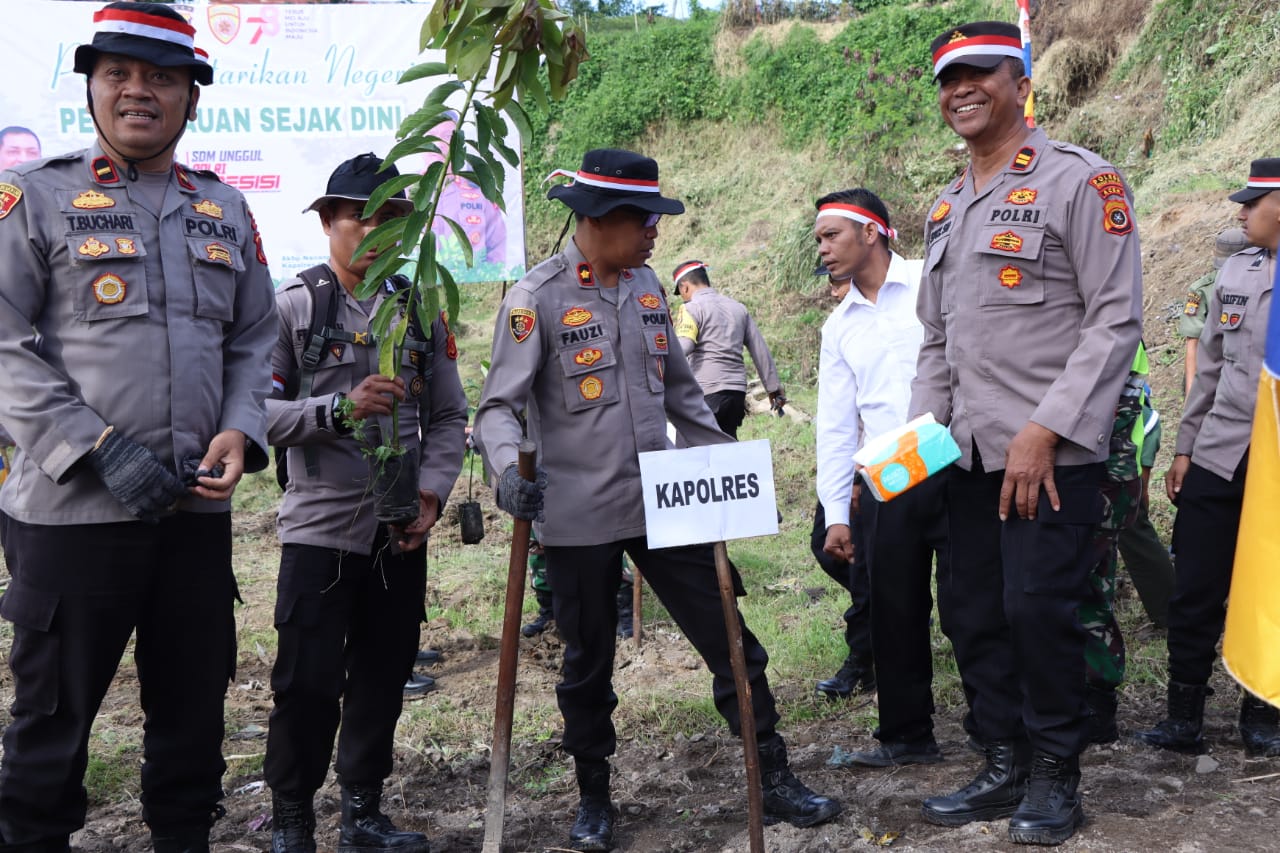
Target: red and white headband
[685, 269]
[1261, 182]
[145, 25]
[957, 50]
[634, 185]
[857, 214]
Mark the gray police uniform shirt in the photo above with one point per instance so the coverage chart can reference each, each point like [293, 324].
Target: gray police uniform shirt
[1217, 419]
[600, 376]
[334, 508]
[1196, 307]
[1031, 303]
[157, 322]
[713, 329]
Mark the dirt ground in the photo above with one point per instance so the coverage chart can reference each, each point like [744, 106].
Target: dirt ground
[686, 793]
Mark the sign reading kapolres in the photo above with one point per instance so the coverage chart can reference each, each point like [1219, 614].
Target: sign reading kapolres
[708, 494]
[296, 91]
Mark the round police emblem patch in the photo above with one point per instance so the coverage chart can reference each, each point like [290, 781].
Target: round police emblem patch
[108, 289]
[416, 384]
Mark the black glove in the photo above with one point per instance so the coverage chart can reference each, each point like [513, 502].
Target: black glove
[192, 472]
[135, 477]
[776, 401]
[519, 497]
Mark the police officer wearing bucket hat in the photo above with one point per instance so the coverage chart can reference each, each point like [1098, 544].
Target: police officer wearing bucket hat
[136, 418]
[584, 344]
[350, 589]
[1032, 309]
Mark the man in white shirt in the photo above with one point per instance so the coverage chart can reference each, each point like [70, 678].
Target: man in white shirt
[868, 359]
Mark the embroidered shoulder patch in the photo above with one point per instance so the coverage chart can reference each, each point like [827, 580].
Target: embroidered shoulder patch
[520, 323]
[1010, 277]
[575, 316]
[1115, 217]
[940, 212]
[9, 198]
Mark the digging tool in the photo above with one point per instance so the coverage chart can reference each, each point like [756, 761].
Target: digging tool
[500, 754]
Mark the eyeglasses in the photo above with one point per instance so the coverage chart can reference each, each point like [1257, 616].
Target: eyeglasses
[652, 220]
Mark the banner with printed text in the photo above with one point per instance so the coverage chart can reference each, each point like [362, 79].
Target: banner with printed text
[296, 90]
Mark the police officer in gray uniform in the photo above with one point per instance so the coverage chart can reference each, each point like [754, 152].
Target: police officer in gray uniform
[350, 590]
[584, 344]
[135, 420]
[1206, 480]
[1032, 309]
[712, 330]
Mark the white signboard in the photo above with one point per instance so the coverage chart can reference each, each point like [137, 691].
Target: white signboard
[708, 494]
[296, 91]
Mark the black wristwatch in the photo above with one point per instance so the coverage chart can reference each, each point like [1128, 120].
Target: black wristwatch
[336, 422]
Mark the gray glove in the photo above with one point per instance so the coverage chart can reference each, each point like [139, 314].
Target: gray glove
[519, 497]
[135, 477]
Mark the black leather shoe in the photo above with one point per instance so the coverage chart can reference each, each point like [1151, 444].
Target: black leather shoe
[1051, 811]
[593, 825]
[994, 793]
[854, 675]
[1259, 728]
[1183, 730]
[365, 829]
[293, 825]
[418, 684]
[544, 620]
[786, 798]
[428, 657]
[895, 753]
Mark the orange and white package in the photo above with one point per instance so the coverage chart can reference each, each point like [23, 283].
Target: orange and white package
[904, 457]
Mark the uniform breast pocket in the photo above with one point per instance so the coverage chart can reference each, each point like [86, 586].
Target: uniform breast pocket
[1012, 265]
[656, 345]
[933, 259]
[110, 282]
[590, 375]
[1232, 323]
[214, 265]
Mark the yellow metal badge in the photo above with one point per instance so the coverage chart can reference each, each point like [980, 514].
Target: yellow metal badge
[108, 289]
[591, 388]
[93, 248]
[92, 200]
[126, 246]
[576, 316]
[208, 208]
[218, 253]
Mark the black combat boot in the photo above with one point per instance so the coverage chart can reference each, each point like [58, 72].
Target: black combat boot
[994, 793]
[546, 616]
[365, 829]
[293, 825]
[1259, 727]
[593, 826]
[626, 625]
[1051, 810]
[1101, 725]
[855, 674]
[194, 841]
[785, 796]
[1183, 731]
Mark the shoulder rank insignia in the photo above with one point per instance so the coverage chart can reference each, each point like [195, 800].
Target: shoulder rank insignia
[183, 181]
[208, 208]
[92, 200]
[575, 316]
[218, 253]
[108, 289]
[940, 212]
[1022, 195]
[1007, 242]
[93, 248]
[125, 246]
[649, 300]
[591, 388]
[450, 342]
[520, 323]
[1010, 277]
[104, 171]
[586, 277]
[9, 198]
[1115, 217]
[257, 240]
[1022, 160]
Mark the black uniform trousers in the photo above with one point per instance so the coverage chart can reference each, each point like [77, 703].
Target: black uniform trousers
[853, 576]
[77, 594]
[1009, 602]
[584, 583]
[348, 627]
[1204, 547]
[730, 408]
[903, 535]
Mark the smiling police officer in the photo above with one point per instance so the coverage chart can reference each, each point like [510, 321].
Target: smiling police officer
[135, 419]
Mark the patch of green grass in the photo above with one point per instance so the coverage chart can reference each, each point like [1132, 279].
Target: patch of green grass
[115, 755]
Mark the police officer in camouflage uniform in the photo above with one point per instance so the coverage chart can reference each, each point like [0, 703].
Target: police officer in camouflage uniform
[584, 343]
[1196, 307]
[712, 330]
[135, 420]
[1032, 308]
[1206, 480]
[350, 589]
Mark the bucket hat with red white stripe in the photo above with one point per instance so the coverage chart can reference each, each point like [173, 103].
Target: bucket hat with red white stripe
[611, 178]
[1264, 176]
[152, 32]
[982, 44]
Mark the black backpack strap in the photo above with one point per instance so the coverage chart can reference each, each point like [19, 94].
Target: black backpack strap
[321, 285]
